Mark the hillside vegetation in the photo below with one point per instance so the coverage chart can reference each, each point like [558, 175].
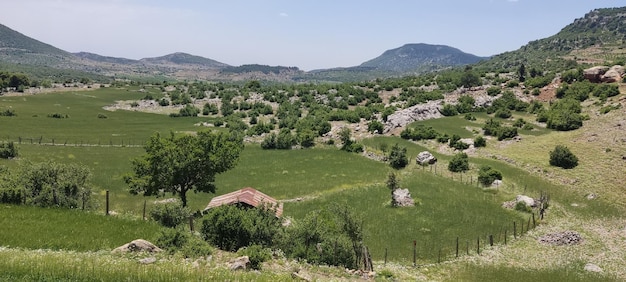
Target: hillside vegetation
[332, 155]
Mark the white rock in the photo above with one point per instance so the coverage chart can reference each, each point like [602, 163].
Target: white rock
[592, 267]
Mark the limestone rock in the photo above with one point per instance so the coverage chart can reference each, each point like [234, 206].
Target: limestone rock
[592, 268]
[148, 260]
[401, 118]
[561, 238]
[139, 245]
[594, 74]
[300, 277]
[526, 200]
[425, 157]
[403, 198]
[614, 74]
[240, 263]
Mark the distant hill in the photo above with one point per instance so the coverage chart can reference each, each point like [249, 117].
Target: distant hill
[105, 59]
[21, 49]
[184, 59]
[421, 57]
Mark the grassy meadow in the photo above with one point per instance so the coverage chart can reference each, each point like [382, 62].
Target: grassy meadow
[449, 205]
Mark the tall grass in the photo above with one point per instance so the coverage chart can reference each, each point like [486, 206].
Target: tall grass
[572, 272]
[62, 229]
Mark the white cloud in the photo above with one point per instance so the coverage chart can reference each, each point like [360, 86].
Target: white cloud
[284, 14]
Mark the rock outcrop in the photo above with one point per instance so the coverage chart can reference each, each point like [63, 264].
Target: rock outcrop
[403, 198]
[425, 157]
[528, 201]
[594, 74]
[401, 118]
[139, 245]
[604, 74]
[240, 263]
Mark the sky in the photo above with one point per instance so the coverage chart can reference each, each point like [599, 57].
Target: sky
[309, 34]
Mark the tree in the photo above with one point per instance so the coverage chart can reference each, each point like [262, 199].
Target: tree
[393, 184]
[397, 157]
[521, 72]
[178, 164]
[561, 156]
[459, 163]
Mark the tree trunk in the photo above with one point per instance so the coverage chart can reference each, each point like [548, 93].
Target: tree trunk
[183, 197]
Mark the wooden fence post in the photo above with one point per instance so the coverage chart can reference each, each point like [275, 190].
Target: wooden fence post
[414, 253]
[514, 230]
[385, 256]
[107, 202]
[191, 223]
[505, 236]
[491, 240]
[534, 225]
[478, 245]
[144, 210]
[457, 247]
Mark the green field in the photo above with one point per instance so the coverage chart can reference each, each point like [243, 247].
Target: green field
[449, 205]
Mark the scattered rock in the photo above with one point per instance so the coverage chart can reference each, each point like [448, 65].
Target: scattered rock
[591, 196]
[374, 156]
[425, 157]
[403, 198]
[401, 118]
[139, 245]
[528, 201]
[300, 277]
[165, 201]
[509, 205]
[594, 74]
[496, 183]
[148, 260]
[592, 268]
[565, 238]
[240, 263]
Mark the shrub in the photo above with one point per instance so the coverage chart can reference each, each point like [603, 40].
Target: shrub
[521, 206]
[503, 113]
[493, 91]
[459, 163]
[8, 113]
[210, 109]
[561, 156]
[8, 150]
[230, 227]
[375, 127]
[175, 240]
[269, 142]
[189, 111]
[449, 110]
[487, 175]
[397, 157]
[164, 102]
[55, 185]
[257, 255]
[506, 132]
[470, 117]
[170, 214]
[134, 104]
[480, 141]
[58, 115]
[102, 116]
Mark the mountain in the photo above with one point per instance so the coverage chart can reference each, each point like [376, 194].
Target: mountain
[596, 38]
[104, 59]
[18, 48]
[421, 57]
[184, 59]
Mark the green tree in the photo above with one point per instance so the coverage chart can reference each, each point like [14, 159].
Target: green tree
[521, 72]
[392, 184]
[459, 163]
[397, 157]
[561, 156]
[55, 185]
[179, 164]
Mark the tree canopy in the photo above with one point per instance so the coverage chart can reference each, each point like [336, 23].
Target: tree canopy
[178, 164]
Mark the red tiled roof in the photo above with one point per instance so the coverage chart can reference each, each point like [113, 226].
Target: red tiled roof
[248, 196]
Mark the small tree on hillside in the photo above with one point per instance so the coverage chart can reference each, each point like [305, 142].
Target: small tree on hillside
[563, 157]
[397, 157]
[459, 163]
[487, 175]
[393, 184]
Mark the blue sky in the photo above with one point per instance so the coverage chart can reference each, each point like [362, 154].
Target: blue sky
[308, 34]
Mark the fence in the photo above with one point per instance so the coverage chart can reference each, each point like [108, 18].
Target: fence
[75, 142]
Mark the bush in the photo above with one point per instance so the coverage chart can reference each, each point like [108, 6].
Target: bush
[8, 113]
[134, 104]
[164, 102]
[521, 206]
[58, 115]
[170, 214]
[449, 110]
[102, 116]
[375, 127]
[397, 157]
[8, 151]
[459, 163]
[480, 141]
[55, 185]
[231, 228]
[493, 91]
[487, 175]
[257, 255]
[561, 156]
[175, 240]
[503, 113]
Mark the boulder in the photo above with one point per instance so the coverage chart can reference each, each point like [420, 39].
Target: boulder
[240, 263]
[564, 238]
[496, 183]
[403, 198]
[528, 201]
[139, 245]
[425, 157]
[594, 74]
[592, 268]
[614, 74]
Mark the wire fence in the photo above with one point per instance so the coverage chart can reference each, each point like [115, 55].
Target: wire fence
[76, 142]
